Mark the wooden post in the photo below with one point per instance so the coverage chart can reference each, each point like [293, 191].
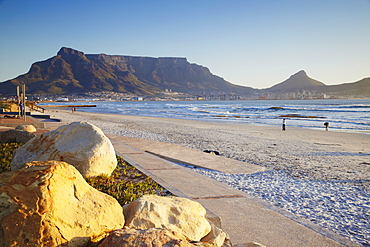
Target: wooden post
[24, 101]
[19, 102]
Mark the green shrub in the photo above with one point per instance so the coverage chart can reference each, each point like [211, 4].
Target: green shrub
[126, 183]
[6, 155]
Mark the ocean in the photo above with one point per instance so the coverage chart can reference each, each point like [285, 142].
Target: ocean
[342, 115]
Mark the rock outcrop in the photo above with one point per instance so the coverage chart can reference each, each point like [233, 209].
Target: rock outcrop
[18, 136]
[80, 144]
[26, 127]
[181, 215]
[216, 237]
[149, 237]
[50, 204]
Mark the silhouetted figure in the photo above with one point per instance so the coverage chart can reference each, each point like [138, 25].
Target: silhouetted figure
[283, 127]
[21, 109]
[326, 124]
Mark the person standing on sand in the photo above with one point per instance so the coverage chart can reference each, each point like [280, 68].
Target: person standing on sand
[326, 126]
[283, 127]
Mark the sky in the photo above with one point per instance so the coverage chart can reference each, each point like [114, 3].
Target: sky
[255, 43]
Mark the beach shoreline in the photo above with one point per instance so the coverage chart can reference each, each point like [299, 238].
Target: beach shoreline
[322, 176]
[313, 154]
[341, 115]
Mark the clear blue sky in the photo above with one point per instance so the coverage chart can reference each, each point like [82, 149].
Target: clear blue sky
[255, 43]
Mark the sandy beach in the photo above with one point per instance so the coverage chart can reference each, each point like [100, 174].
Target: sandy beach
[305, 153]
[322, 176]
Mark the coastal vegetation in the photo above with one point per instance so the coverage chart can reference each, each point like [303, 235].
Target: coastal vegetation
[6, 155]
[126, 183]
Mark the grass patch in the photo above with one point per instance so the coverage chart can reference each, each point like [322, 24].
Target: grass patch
[126, 183]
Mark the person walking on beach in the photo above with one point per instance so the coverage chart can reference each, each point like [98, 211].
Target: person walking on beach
[326, 124]
[283, 127]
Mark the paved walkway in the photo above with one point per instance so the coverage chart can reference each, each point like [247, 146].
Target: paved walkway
[244, 217]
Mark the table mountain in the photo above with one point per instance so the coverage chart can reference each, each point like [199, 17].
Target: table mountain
[72, 71]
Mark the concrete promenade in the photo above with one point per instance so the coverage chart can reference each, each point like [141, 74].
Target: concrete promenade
[244, 217]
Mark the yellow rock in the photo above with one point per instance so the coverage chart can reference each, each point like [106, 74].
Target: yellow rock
[50, 204]
[27, 127]
[181, 215]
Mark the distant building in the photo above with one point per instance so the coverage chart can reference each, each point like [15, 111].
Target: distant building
[62, 100]
[138, 98]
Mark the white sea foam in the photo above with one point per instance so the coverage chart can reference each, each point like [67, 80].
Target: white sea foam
[343, 115]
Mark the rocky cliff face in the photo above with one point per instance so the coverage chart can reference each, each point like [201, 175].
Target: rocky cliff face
[72, 71]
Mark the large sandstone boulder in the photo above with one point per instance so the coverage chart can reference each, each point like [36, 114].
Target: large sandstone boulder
[216, 237]
[80, 144]
[26, 127]
[149, 237]
[15, 136]
[181, 215]
[50, 204]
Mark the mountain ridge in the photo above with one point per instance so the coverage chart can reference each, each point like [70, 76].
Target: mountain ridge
[72, 71]
[301, 81]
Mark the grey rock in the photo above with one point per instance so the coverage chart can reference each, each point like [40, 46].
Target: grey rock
[18, 136]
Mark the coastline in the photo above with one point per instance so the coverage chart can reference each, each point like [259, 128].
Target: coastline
[345, 116]
[313, 154]
[323, 176]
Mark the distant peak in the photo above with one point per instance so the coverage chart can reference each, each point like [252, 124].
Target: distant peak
[69, 51]
[301, 72]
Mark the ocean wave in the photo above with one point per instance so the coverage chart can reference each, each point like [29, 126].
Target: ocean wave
[347, 115]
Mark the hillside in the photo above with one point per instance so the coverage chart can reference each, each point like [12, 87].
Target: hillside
[359, 88]
[72, 71]
[298, 81]
[301, 81]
